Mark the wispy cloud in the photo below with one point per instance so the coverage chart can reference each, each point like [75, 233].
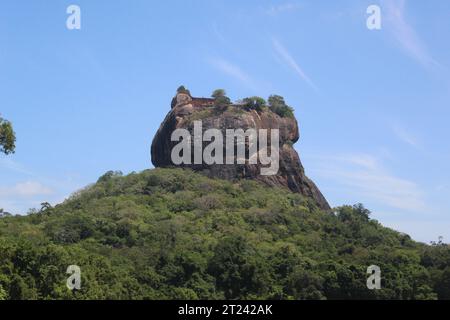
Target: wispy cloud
[218, 34]
[405, 136]
[283, 7]
[287, 58]
[363, 176]
[233, 70]
[405, 34]
[12, 165]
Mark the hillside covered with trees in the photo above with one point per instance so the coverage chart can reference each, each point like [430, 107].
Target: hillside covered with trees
[176, 234]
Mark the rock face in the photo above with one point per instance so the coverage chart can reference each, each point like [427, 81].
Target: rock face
[186, 110]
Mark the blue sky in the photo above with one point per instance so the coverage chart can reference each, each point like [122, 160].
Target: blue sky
[373, 106]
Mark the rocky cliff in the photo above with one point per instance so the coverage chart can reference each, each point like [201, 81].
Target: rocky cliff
[186, 110]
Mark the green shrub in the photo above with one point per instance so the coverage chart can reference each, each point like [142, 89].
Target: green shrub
[221, 101]
[218, 93]
[254, 103]
[182, 89]
[279, 106]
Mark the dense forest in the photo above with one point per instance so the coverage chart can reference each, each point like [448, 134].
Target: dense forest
[176, 234]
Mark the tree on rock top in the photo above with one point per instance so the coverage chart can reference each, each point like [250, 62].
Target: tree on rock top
[221, 100]
[182, 89]
[279, 106]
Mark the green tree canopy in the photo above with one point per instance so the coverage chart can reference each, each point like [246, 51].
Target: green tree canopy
[7, 137]
[182, 89]
[256, 103]
[279, 106]
[218, 93]
[175, 234]
[221, 100]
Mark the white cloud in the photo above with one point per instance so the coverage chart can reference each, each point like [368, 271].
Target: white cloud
[362, 175]
[287, 58]
[22, 196]
[25, 190]
[21, 189]
[404, 33]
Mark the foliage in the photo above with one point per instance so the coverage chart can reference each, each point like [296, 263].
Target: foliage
[279, 106]
[7, 137]
[218, 93]
[176, 234]
[182, 89]
[199, 115]
[254, 103]
[221, 101]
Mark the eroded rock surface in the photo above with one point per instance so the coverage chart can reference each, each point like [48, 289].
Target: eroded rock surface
[186, 110]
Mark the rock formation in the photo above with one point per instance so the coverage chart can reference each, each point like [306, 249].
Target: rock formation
[186, 109]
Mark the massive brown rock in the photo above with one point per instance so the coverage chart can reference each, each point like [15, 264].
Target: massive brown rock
[185, 110]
